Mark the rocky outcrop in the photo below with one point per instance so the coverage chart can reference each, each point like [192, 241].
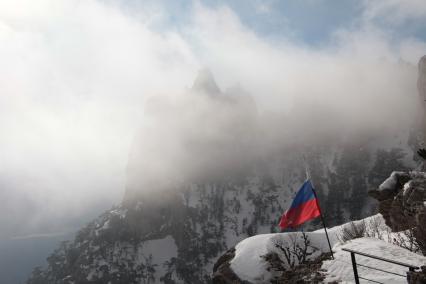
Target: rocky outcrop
[402, 202]
[222, 271]
[417, 277]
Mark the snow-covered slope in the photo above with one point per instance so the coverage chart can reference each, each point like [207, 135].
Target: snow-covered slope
[250, 263]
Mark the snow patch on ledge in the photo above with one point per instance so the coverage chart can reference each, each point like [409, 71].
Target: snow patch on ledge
[247, 263]
[390, 182]
[250, 265]
[340, 269]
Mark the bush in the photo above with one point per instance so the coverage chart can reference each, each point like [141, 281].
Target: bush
[352, 231]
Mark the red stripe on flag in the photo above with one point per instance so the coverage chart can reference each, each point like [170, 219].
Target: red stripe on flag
[299, 215]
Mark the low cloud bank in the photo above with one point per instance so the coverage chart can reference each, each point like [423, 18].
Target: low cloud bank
[75, 77]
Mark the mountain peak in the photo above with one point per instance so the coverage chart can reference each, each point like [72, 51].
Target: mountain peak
[205, 83]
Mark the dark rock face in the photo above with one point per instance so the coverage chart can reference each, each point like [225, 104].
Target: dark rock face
[222, 271]
[417, 277]
[402, 202]
[390, 195]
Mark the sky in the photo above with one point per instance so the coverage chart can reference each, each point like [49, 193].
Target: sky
[74, 77]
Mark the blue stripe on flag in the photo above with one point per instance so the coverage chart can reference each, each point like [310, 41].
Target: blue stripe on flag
[305, 194]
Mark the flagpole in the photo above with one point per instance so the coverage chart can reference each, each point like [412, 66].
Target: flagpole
[308, 177]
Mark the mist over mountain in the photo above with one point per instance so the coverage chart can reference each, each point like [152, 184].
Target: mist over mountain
[74, 97]
[206, 170]
[102, 104]
[204, 135]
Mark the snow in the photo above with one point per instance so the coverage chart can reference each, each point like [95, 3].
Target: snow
[120, 212]
[250, 265]
[106, 225]
[390, 182]
[406, 187]
[340, 269]
[247, 263]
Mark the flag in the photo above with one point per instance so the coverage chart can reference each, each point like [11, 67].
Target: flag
[303, 208]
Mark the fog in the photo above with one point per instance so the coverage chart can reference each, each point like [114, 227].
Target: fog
[77, 76]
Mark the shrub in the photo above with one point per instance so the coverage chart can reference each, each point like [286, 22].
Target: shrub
[352, 231]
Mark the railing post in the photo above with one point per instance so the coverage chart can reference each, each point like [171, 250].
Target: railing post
[354, 268]
[411, 267]
[409, 275]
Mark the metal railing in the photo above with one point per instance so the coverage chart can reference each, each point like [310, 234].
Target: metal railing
[354, 265]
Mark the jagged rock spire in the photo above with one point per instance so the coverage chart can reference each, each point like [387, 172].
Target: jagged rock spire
[205, 83]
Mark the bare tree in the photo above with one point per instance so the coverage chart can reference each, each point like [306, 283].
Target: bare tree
[406, 240]
[352, 231]
[375, 228]
[294, 251]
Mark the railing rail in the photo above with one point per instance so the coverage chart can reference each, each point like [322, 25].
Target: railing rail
[354, 264]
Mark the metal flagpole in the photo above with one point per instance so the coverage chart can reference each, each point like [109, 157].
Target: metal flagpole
[308, 177]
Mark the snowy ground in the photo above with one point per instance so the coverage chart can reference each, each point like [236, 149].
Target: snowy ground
[249, 264]
[340, 269]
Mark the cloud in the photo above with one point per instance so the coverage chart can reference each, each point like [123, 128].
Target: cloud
[38, 236]
[353, 72]
[75, 76]
[394, 12]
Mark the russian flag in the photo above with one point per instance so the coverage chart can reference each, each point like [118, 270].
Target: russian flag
[304, 208]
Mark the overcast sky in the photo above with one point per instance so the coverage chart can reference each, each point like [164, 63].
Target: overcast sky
[74, 76]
